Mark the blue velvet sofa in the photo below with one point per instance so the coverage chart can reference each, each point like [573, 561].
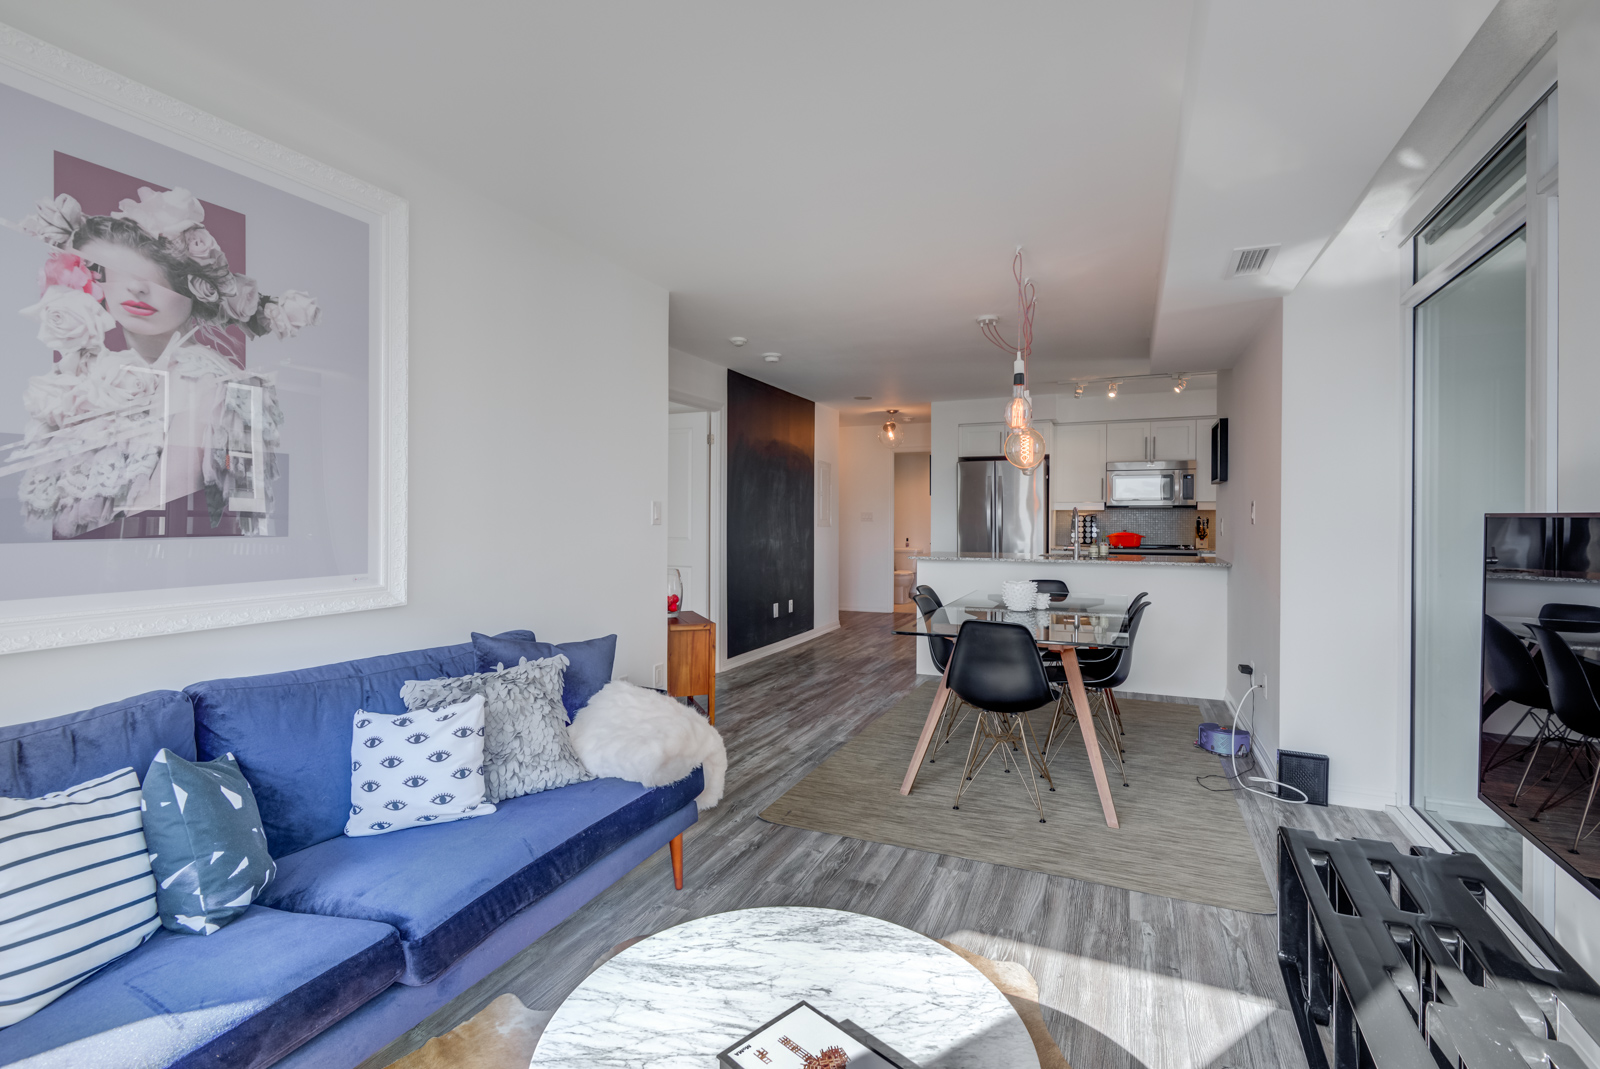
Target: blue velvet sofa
[357, 939]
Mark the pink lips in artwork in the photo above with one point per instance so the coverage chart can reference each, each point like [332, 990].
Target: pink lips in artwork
[138, 308]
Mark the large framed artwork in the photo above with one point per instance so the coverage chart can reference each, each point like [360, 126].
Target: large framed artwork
[202, 368]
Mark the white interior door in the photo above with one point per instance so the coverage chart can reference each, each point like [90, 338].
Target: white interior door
[689, 506]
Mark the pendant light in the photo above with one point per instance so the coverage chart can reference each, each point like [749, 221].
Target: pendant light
[889, 433]
[1024, 447]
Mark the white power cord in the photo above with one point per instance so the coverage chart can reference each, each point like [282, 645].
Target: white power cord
[1233, 756]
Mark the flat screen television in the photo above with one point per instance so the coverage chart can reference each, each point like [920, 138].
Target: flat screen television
[1539, 766]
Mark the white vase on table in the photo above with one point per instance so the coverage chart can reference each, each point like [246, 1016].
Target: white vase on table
[1019, 594]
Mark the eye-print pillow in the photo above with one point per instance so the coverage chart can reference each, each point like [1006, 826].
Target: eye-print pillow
[425, 767]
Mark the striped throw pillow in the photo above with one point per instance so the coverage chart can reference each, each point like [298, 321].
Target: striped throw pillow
[75, 889]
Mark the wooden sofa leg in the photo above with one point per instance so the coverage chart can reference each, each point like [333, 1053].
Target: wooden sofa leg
[677, 862]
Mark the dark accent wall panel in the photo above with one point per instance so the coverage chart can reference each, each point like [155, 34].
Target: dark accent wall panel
[771, 514]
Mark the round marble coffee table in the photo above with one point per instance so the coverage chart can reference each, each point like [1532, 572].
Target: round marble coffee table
[676, 999]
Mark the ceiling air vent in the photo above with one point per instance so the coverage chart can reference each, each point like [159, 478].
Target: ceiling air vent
[1252, 261]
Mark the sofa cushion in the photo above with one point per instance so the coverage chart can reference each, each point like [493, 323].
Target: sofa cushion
[243, 997]
[589, 663]
[290, 732]
[45, 756]
[203, 831]
[419, 769]
[447, 888]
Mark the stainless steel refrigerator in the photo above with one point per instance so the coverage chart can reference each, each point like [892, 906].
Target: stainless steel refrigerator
[1003, 510]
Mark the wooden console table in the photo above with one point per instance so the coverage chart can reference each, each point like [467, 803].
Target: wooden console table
[692, 659]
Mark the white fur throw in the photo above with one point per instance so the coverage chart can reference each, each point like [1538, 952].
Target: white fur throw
[627, 732]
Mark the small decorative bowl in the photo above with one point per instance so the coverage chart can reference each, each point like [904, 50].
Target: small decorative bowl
[1019, 594]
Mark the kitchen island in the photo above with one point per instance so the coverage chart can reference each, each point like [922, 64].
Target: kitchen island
[1182, 648]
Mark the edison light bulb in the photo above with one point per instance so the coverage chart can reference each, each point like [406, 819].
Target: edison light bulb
[1025, 448]
[1017, 412]
[890, 434]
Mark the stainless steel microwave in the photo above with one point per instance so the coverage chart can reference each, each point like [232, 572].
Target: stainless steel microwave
[1150, 484]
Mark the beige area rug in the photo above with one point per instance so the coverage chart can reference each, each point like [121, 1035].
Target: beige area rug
[1176, 838]
[501, 1036]
[504, 1033]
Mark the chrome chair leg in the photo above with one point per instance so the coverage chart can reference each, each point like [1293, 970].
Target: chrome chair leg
[1594, 781]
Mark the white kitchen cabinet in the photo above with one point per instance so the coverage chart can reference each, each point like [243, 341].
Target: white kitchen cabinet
[1127, 441]
[1204, 492]
[982, 439]
[1078, 466]
[1172, 439]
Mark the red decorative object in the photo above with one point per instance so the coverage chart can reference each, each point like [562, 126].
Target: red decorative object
[1125, 539]
[672, 603]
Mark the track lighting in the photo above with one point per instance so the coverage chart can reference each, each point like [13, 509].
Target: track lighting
[1182, 385]
[1078, 392]
[1111, 389]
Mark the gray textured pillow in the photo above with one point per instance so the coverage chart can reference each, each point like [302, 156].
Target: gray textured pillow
[526, 748]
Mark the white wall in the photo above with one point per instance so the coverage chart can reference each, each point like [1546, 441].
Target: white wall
[1344, 656]
[866, 522]
[521, 515]
[1250, 395]
[695, 381]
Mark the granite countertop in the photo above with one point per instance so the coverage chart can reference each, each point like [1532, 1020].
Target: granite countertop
[1209, 560]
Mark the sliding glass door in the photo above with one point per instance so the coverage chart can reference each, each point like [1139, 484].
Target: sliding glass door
[1470, 430]
[1483, 366]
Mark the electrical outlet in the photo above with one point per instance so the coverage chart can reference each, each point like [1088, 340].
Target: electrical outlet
[659, 677]
[1262, 682]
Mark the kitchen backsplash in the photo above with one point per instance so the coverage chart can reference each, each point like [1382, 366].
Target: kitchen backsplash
[1169, 526]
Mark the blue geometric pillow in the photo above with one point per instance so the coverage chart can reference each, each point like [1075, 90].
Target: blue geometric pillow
[206, 847]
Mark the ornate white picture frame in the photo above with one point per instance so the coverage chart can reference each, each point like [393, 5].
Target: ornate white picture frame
[213, 430]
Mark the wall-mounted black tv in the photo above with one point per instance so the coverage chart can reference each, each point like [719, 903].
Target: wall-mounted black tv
[1539, 725]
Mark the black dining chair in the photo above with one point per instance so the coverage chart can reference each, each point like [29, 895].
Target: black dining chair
[1512, 676]
[996, 670]
[1573, 619]
[1573, 702]
[1099, 678]
[924, 588]
[939, 648]
[1051, 586]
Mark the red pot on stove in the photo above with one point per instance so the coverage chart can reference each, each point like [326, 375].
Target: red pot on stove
[1125, 540]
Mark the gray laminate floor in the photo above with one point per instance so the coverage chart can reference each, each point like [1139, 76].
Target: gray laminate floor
[1127, 980]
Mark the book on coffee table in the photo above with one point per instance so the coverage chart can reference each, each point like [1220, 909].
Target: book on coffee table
[803, 1037]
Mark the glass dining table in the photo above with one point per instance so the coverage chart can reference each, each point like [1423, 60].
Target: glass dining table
[1068, 623]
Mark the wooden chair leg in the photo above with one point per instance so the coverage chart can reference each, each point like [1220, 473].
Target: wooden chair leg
[676, 846]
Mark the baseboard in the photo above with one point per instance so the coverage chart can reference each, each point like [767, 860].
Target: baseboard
[777, 647]
[1416, 828]
[1359, 798]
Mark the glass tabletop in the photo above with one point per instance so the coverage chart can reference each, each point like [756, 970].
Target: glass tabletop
[1074, 620]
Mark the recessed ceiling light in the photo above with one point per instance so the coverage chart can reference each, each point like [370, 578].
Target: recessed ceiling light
[736, 340]
[859, 397]
[771, 358]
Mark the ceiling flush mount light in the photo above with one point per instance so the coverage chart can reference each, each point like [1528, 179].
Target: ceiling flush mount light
[771, 358]
[737, 341]
[889, 433]
[1023, 447]
[1111, 388]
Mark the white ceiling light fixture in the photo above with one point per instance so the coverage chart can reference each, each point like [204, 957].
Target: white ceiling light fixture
[889, 433]
[1024, 447]
[771, 358]
[736, 341]
[1255, 260]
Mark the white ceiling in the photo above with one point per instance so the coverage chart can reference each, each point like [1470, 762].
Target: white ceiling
[1289, 110]
[844, 183]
